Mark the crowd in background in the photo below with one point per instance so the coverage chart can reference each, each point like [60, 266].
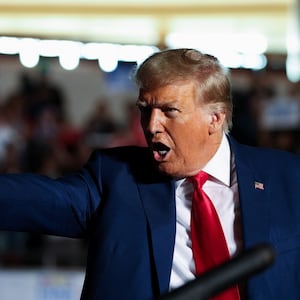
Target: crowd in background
[266, 109]
[36, 136]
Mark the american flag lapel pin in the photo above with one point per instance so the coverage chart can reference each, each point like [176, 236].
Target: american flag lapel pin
[259, 185]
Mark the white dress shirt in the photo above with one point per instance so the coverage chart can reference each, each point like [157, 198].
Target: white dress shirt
[222, 189]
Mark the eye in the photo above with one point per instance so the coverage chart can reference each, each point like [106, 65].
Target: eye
[170, 111]
[144, 109]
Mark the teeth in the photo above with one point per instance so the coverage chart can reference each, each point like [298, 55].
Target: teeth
[162, 152]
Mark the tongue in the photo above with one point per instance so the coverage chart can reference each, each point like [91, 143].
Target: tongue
[157, 156]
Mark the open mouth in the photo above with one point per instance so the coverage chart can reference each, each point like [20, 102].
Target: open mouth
[160, 151]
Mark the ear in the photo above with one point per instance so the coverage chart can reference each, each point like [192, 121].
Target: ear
[216, 122]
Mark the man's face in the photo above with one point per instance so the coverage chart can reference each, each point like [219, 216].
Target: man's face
[182, 134]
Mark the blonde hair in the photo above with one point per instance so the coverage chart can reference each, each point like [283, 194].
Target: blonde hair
[173, 65]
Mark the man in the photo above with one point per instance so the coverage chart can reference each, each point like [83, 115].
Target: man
[134, 204]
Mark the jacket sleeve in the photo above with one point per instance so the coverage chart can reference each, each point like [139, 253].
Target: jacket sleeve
[63, 206]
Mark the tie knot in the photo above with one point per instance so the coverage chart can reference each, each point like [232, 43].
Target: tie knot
[199, 179]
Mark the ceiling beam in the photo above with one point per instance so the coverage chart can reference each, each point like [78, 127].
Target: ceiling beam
[141, 10]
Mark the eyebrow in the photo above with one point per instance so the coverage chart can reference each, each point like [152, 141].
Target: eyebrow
[142, 103]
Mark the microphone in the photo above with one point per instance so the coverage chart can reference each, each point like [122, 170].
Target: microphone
[232, 272]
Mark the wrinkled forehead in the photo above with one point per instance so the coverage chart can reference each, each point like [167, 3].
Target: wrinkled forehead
[178, 93]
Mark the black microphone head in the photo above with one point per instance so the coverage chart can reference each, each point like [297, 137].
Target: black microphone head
[230, 273]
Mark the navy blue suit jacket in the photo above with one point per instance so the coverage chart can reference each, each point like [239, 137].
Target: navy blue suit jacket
[127, 210]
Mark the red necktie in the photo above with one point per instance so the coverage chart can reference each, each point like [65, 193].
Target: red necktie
[208, 241]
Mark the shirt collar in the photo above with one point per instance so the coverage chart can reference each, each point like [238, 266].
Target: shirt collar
[219, 166]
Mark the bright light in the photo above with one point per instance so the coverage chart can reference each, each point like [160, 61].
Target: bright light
[28, 52]
[9, 45]
[293, 68]
[250, 43]
[231, 60]
[91, 50]
[246, 61]
[135, 53]
[49, 48]
[108, 63]
[293, 46]
[254, 61]
[69, 56]
[233, 51]
[68, 62]
[213, 43]
[108, 57]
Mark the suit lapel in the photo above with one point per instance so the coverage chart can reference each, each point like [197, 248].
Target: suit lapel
[254, 197]
[159, 203]
[254, 204]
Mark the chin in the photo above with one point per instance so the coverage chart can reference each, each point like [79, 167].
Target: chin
[169, 171]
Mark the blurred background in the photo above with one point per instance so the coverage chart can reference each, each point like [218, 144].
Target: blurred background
[66, 89]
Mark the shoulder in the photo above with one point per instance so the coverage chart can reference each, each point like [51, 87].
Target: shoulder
[134, 160]
[260, 157]
[124, 154]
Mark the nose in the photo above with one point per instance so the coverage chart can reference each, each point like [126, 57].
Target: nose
[153, 124]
